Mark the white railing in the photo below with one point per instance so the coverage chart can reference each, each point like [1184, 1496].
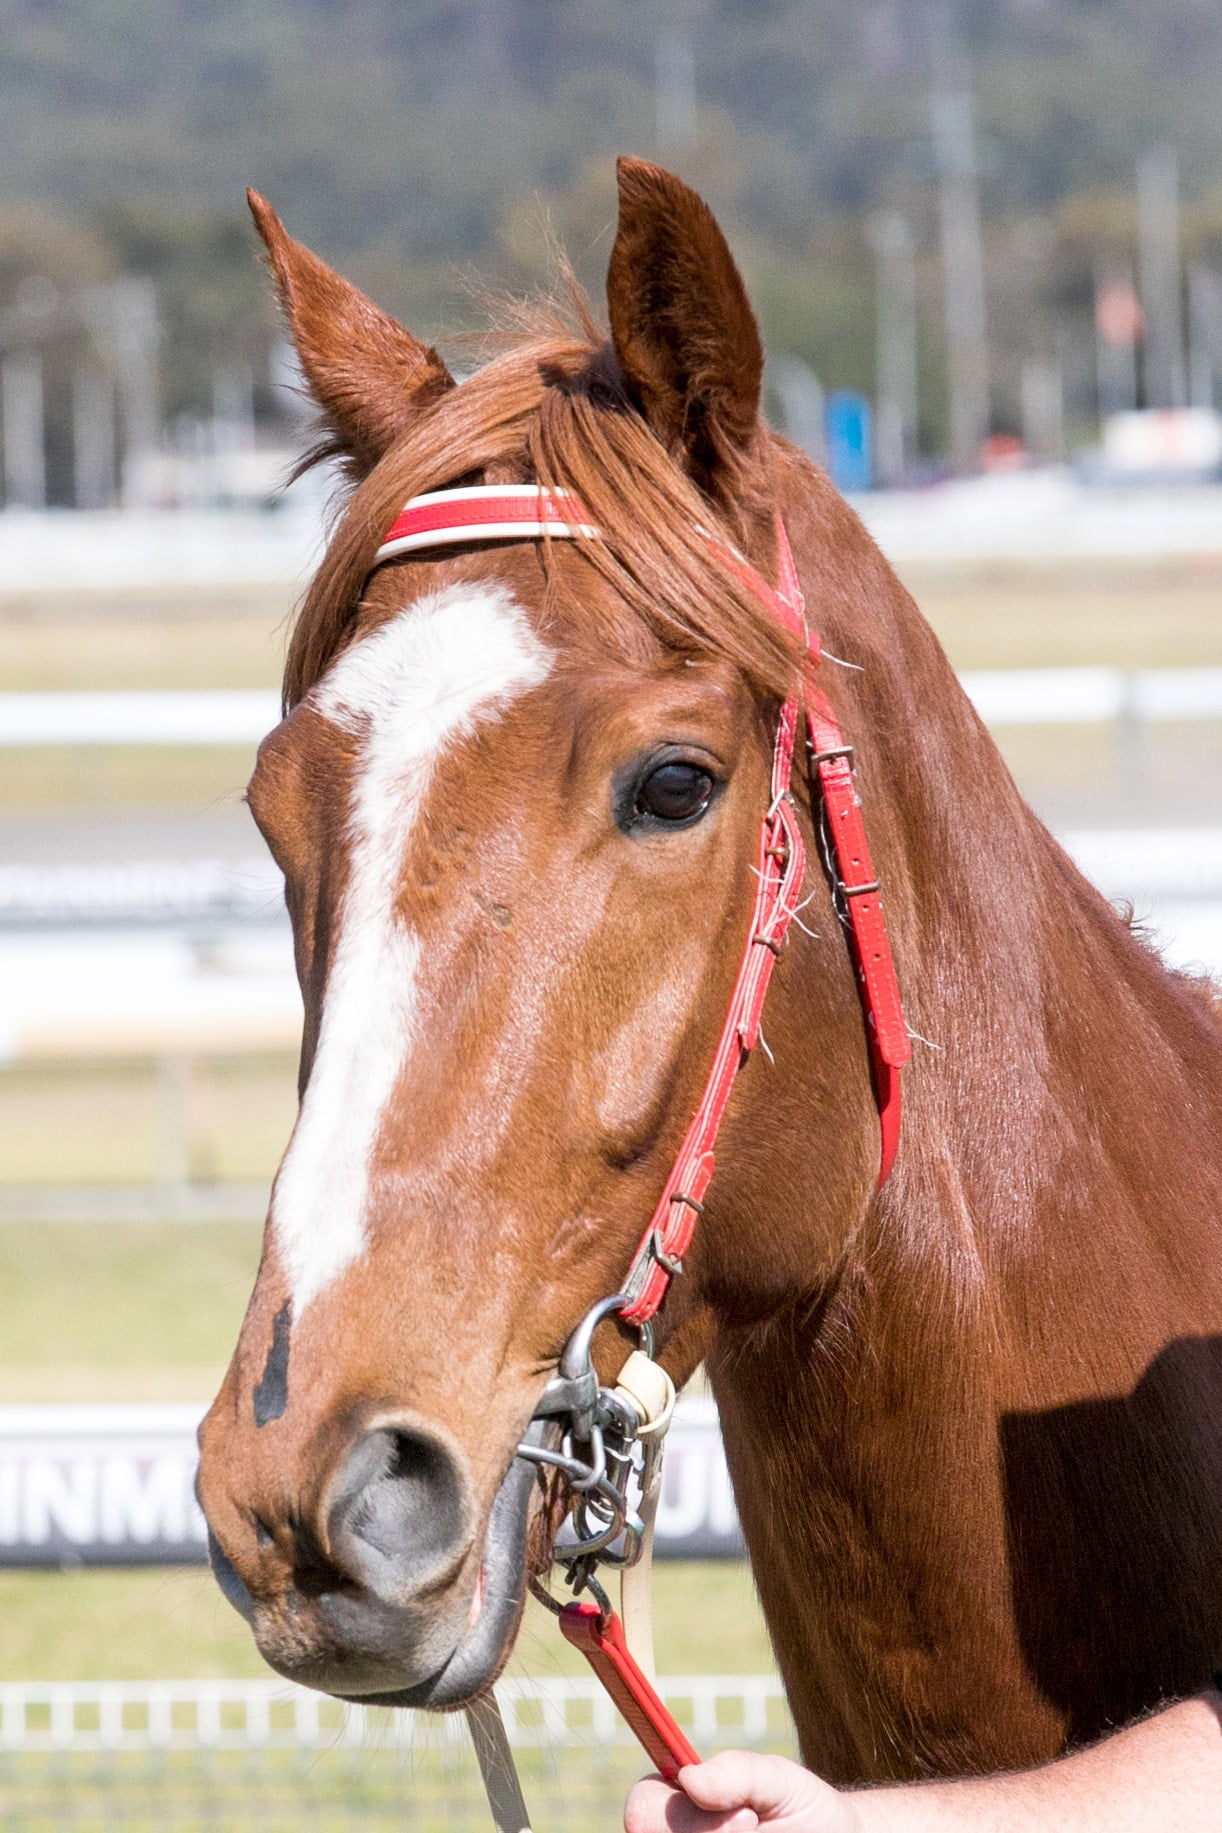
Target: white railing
[1073, 696]
[72, 892]
[266, 1714]
[215, 716]
[153, 716]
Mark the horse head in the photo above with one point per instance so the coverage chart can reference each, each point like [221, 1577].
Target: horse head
[516, 798]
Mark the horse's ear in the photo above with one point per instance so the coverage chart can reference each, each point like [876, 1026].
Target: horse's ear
[682, 326]
[368, 374]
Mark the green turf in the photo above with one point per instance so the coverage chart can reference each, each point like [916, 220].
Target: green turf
[151, 1623]
[198, 641]
[187, 777]
[1158, 614]
[434, 1789]
[115, 1297]
[239, 647]
[96, 1122]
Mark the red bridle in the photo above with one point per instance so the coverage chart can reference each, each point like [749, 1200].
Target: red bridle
[511, 512]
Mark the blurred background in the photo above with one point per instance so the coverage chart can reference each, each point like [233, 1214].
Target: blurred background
[985, 243]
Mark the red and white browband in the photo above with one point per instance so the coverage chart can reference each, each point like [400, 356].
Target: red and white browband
[485, 512]
[517, 512]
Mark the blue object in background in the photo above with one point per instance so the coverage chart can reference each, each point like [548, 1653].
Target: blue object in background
[849, 457]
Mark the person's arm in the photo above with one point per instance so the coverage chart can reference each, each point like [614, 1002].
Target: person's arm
[1161, 1776]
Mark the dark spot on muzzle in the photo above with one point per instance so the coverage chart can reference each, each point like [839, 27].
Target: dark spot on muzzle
[271, 1396]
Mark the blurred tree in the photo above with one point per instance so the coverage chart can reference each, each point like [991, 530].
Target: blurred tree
[215, 302]
[408, 143]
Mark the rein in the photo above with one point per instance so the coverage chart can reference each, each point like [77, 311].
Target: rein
[602, 1428]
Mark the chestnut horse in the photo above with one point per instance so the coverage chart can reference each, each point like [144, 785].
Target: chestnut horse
[974, 1418]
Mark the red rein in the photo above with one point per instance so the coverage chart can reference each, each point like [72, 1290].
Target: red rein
[513, 512]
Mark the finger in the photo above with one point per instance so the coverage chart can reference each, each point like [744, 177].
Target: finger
[645, 1808]
[655, 1807]
[772, 1786]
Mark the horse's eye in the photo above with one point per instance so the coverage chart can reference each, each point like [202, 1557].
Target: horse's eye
[674, 792]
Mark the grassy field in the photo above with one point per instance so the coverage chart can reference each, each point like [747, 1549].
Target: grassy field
[234, 641]
[95, 1122]
[180, 777]
[145, 1624]
[197, 640]
[1134, 613]
[328, 1791]
[147, 1310]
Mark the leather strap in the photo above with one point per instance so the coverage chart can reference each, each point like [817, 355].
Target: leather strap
[857, 889]
[780, 869]
[601, 1641]
[647, 1388]
[487, 512]
[496, 1766]
[636, 1588]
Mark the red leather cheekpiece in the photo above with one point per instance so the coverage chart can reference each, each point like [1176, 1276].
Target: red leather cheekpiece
[887, 1030]
[781, 868]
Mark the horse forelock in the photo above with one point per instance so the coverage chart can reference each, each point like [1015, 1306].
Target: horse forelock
[550, 409]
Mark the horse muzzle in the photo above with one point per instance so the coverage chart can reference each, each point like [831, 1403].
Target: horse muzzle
[390, 1601]
[380, 1591]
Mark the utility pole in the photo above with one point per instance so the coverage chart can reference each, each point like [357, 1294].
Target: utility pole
[124, 320]
[799, 393]
[137, 343]
[233, 405]
[1042, 398]
[25, 470]
[1204, 334]
[93, 437]
[962, 273]
[1118, 330]
[895, 420]
[1158, 230]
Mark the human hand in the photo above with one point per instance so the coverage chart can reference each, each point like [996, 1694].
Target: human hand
[736, 1791]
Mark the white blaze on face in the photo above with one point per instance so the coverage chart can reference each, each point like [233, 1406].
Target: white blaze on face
[433, 674]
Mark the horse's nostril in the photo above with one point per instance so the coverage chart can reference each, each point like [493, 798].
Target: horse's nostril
[263, 1533]
[400, 1511]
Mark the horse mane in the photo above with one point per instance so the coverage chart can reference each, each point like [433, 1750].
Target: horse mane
[550, 407]
[1199, 985]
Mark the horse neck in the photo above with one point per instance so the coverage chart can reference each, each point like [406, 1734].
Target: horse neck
[1046, 1243]
[1061, 1137]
